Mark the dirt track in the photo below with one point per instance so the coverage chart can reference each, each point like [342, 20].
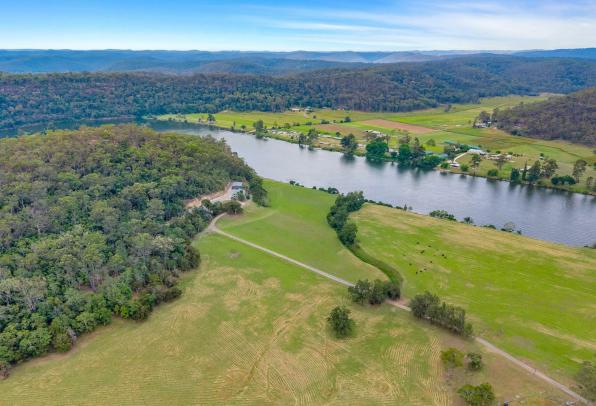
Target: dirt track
[490, 347]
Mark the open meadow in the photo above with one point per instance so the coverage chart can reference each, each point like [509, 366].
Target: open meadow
[250, 328]
[534, 299]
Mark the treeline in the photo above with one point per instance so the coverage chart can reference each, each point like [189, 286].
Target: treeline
[571, 118]
[428, 306]
[93, 224]
[32, 99]
[338, 216]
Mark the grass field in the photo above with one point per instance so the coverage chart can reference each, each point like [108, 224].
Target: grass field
[535, 299]
[296, 226]
[439, 124]
[250, 329]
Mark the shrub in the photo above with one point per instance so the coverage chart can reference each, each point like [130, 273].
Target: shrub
[464, 167]
[360, 291]
[442, 214]
[374, 293]
[481, 395]
[474, 361]
[340, 322]
[493, 173]
[347, 235]
[429, 306]
[452, 358]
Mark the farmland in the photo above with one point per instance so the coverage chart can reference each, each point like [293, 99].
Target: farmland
[250, 329]
[534, 299]
[444, 125]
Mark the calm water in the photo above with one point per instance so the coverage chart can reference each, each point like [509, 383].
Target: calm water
[563, 217]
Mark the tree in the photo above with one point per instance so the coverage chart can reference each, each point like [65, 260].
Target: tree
[442, 214]
[534, 172]
[481, 395]
[302, 140]
[421, 303]
[340, 322]
[347, 234]
[515, 175]
[452, 357]
[377, 293]
[311, 137]
[349, 144]
[405, 139]
[474, 361]
[549, 168]
[501, 160]
[404, 156]
[360, 291]
[579, 167]
[483, 118]
[475, 162]
[376, 150]
[259, 126]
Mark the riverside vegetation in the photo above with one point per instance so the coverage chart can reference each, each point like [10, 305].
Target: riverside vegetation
[425, 139]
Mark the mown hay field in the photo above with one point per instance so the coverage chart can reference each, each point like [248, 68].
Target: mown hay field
[535, 299]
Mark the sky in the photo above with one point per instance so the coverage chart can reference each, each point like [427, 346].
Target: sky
[283, 25]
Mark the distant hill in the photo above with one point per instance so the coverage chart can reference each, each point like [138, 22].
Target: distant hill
[582, 53]
[32, 99]
[259, 63]
[571, 118]
[162, 61]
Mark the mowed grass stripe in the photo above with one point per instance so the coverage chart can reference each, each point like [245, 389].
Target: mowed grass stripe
[532, 298]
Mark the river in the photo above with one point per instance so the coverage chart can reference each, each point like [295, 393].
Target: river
[546, 214]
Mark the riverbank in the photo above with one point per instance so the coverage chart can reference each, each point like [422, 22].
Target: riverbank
[546, 214]
[437, 129]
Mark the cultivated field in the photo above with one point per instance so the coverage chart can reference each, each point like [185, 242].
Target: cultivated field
[250, 329]
[534, 299]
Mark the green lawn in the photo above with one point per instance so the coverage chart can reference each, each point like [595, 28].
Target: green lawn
[250, 329]
[296, 225]
[535, 299]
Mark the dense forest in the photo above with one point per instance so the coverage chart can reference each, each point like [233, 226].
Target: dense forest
[32, 99]
[93, 224]
[571, 118]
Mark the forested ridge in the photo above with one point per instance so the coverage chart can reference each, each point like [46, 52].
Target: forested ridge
[571, 118]
[32, 99]
[92, 224]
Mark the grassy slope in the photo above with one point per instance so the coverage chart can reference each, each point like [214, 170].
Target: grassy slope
[532, 298]
[296, 226]
[250, 329]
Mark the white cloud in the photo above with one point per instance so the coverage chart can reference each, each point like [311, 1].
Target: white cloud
[448, 25]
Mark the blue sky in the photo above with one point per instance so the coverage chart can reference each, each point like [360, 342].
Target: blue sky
[364, 25]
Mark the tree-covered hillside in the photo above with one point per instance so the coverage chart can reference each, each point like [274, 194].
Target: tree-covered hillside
[571, 118]
[31, 99]
[92, 223]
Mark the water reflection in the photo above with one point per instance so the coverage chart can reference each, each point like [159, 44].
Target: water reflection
[541, 213]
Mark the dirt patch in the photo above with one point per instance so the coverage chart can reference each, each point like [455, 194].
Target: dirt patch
[416, 129]
[339, 128]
